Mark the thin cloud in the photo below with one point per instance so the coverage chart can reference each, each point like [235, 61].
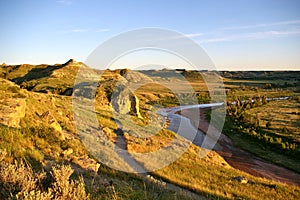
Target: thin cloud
[101, 30]
[252, 36]
[82, 30]
[64, 2]
[291, 22]
[273, 33]
[213, 40]
[192, 35]
[78, 30]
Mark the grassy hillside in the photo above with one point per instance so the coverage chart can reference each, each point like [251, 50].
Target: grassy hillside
[38, 136]
[44, 137]
[268, 130]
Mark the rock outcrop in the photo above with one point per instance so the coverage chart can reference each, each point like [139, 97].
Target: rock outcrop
[241, 179]
[12, 111]
[48, 118]
[125, 102]
[135, 109]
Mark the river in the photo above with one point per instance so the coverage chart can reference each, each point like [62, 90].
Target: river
[238, 158]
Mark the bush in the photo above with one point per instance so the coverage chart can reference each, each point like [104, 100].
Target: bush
[18, 181]
[62, 188]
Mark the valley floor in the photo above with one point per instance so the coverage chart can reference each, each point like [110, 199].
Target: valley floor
[243, 160]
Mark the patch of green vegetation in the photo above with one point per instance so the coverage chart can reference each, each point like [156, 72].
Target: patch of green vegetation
[19, 146]
[35, 143]
[262, 145]
[263, 130]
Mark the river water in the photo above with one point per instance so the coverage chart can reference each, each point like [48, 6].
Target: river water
[236, 157]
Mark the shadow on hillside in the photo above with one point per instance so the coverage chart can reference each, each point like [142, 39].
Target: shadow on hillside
[38, 73]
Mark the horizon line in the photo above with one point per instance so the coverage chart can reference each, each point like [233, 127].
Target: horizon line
[170, 68]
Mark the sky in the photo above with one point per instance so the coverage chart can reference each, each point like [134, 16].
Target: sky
[236, 34]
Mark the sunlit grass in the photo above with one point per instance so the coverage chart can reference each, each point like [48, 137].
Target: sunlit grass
[212, 177]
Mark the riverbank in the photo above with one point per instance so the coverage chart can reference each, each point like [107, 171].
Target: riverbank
[237, 157]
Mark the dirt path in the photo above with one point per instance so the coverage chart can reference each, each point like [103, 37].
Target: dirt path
[241, 159]
[138, 168]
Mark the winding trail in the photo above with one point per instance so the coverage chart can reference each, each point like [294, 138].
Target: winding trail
[137, 167]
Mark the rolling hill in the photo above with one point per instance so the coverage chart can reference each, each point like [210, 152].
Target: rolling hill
[39, 137]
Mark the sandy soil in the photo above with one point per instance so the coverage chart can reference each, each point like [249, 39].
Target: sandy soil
[241, 159]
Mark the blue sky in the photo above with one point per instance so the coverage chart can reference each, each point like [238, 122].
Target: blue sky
[236, 34]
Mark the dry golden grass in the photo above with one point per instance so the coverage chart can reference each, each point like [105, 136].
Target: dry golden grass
[211, 176]
[149, 144]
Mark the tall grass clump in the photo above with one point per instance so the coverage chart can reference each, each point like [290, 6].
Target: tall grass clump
[19, 181]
